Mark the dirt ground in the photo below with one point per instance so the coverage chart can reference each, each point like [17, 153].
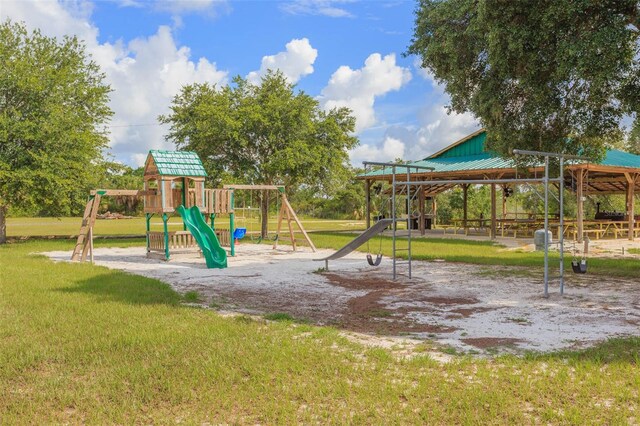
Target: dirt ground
[475, 309]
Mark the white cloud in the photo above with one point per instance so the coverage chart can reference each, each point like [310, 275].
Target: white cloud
[189, 6]
[435, 129]
[424, 72]
[179, 7]
[390, 149]
[317, 7]
[295, 62]
[440, 129]
[358, 89]
[144, 73]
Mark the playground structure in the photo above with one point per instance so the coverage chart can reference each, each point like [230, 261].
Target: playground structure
[174, 183]
[411, 188]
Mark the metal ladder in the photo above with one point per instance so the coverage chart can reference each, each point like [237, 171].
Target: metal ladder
[403, 248]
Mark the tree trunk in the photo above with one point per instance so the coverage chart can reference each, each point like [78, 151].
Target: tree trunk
[264, 213]
[3, 224]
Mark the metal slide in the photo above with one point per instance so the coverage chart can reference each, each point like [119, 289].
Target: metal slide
[377, 228]
[215, 255]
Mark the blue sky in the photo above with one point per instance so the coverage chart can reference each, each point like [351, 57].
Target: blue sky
[345, 53]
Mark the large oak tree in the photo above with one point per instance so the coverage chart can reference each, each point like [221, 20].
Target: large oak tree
[552, 75]
[53, 108]
[266, 133]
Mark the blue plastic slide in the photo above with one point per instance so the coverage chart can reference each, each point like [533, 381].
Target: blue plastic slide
[214, 254]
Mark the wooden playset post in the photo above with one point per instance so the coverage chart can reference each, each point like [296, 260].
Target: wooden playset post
[185, 197]
[91, 244]
[148, 217]
[291, 236]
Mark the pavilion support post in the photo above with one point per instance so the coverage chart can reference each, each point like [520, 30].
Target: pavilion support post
[421, 210]
[580, 201]
[434, 202]
[504, 202]
[367, 189]
[465, 201]
[631, 183]
[493, 211]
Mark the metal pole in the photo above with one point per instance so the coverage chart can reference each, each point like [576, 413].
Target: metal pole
[549, 154]
[393, 217]
[561, 236]
[477, 181]
[394, 165]
[409, 219]
[232, 223]
[546, 226]
[367, 188]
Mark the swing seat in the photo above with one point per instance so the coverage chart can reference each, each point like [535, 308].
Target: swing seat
[579, 266]
[374, 262]
[239, 233]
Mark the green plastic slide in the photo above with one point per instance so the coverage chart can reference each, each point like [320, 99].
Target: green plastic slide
[214, 254]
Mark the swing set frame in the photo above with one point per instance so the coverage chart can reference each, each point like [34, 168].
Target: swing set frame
[285, 212]
[546, 180]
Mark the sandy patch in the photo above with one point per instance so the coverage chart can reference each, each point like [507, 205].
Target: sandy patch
[455, 305]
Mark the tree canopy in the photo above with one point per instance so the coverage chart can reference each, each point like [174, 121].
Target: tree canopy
[551, 75]
[53, 111]
[266, 133]
[262, 133]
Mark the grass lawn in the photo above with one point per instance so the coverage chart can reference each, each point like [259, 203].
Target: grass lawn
[83, 344]
[41, 226]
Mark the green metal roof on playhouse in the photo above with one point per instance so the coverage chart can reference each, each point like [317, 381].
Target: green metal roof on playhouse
[177, 163]
[469, 154]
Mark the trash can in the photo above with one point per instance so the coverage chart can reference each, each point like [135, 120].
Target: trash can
[538, 239]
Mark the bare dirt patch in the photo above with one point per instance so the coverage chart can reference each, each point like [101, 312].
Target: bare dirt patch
[360, 283]
[491, 342]
[467, 312]
[456, 305]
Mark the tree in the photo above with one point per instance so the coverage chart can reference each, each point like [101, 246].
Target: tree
[119, 176]
[264, 133]
[53, 107]
[550, 75]
[633, 139]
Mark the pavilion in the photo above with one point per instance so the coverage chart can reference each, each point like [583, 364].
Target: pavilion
[468, 158]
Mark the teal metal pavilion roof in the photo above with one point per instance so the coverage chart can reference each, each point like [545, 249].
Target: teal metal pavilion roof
[469, 154]
[177, 163]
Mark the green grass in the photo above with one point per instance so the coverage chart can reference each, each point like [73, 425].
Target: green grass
[634, 251]
[191, 297]
[83, 344]
[43, 226]
[279, 316]
[481, 253]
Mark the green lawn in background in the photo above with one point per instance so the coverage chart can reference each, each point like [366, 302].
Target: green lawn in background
[42, 226]
[84, 344]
